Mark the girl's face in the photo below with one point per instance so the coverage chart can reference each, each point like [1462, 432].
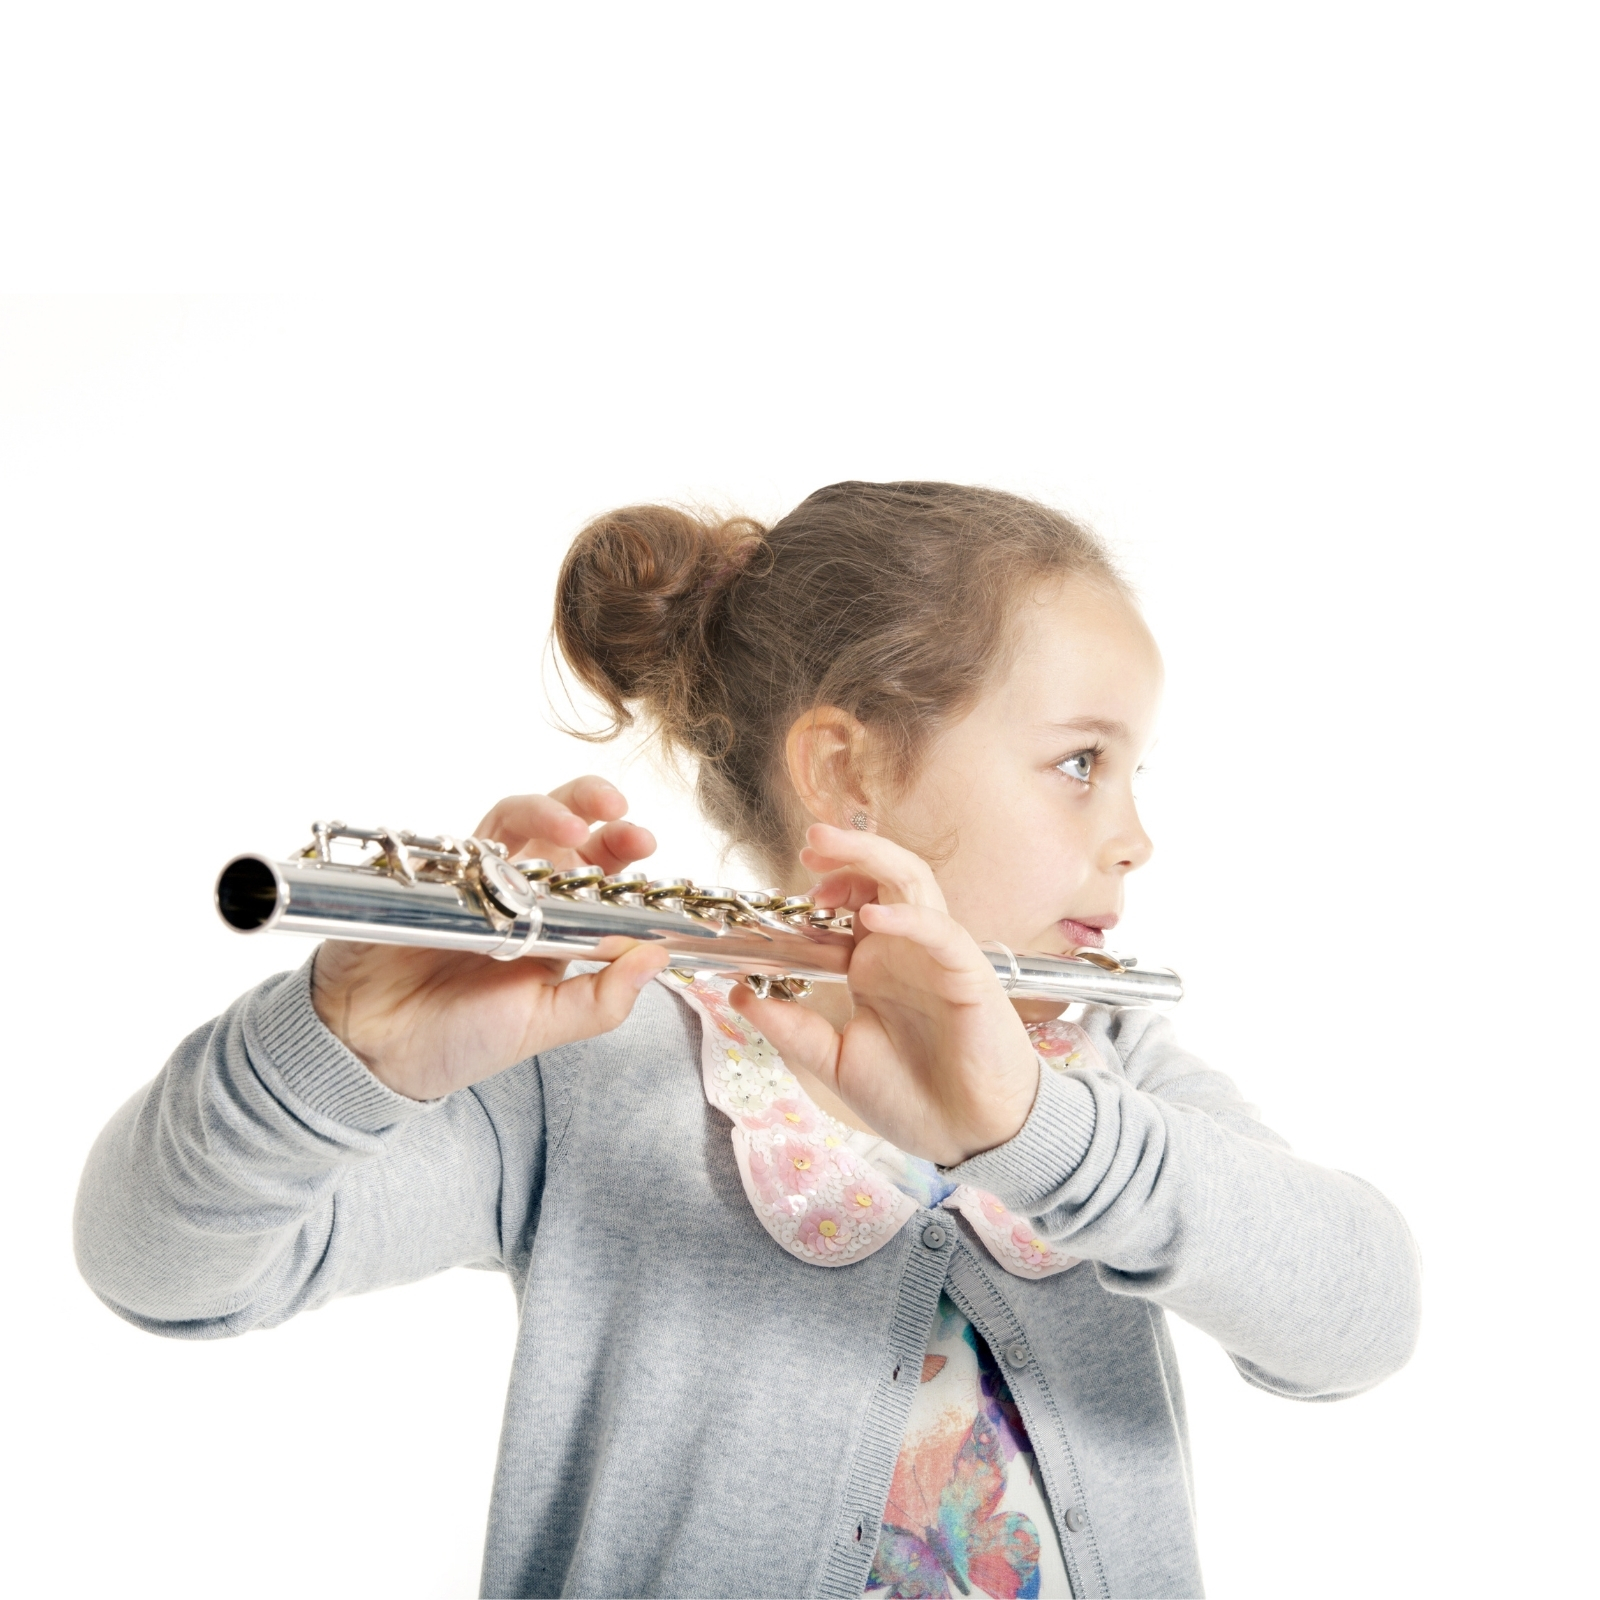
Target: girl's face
[1026, 805]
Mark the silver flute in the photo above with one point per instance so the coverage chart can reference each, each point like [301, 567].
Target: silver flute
[387, 886]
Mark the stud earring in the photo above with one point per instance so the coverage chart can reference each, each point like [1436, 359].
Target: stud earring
[860, 820]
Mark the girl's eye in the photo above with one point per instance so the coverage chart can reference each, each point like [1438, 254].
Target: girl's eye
[1079, 766]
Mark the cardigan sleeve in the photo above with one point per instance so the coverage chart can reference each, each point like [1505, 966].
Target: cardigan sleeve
[1155, 1169]
[265, 1171]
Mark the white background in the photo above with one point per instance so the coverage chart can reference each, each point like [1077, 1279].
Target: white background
[1295, 304]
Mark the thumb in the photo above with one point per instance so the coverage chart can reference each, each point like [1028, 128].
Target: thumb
[798, 1034]
[599, 1001]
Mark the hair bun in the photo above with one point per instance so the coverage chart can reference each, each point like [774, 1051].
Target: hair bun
[637, 602]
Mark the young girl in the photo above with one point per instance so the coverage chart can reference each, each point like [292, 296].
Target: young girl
[866, 1293]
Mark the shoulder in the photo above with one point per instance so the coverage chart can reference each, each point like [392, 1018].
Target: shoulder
[1143, 1045]
[1134, 1038]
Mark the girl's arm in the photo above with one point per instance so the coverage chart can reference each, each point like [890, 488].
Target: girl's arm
[1157, 1172]
[323, 1135]
[1160, 1174]
[265, 1170]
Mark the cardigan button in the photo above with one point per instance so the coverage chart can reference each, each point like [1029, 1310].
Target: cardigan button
[1074, 1519]
[1017, 1355]
[934, 1236]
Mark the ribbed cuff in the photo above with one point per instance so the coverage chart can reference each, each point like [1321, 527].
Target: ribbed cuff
[318, 1069]
[1046, 1150]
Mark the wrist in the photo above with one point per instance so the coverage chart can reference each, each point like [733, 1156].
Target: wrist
[331, 1001]
[1045, 1152]
[1006, 1112]
[317, 1069]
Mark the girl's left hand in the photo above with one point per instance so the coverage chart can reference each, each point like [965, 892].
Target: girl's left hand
[935, 1057]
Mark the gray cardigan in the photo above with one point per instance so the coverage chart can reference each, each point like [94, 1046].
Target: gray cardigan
[692, 1410]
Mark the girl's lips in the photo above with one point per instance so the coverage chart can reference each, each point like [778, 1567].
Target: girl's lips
[1092, 934]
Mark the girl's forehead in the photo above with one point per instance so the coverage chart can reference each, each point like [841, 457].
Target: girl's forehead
[1080, 648]
[1079, 603]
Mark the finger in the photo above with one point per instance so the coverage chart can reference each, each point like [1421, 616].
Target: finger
[617, 945]
[844, 890]
[937, 932]
[616, 844]
[521, 819]
[801, 1036]
[900, 875]
[597, 1002]
[592, 798]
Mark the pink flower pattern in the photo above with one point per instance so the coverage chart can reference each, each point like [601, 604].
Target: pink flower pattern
[800, 1168]
[1063, 1045]
[1010, 1239]
[792, 1114]
[825, 1230]
[814, 1195]
[764, 1179]
[865, 1198]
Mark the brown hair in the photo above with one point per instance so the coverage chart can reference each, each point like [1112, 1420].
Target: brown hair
[888, 600]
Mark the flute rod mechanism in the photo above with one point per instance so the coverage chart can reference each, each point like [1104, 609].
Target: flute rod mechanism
[445, 894]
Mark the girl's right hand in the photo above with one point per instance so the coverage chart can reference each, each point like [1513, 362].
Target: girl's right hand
[427, 1022]
[935, 1057]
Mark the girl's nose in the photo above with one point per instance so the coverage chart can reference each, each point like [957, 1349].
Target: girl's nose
[1129, 847]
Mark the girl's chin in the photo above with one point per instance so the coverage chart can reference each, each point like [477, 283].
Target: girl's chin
[1039, 1010]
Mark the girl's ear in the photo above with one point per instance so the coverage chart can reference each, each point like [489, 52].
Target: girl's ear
[826, 752]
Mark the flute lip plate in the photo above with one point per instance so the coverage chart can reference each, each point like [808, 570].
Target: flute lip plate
[1099, 958]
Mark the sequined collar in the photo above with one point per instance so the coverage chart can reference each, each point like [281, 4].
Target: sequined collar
[831, 1194]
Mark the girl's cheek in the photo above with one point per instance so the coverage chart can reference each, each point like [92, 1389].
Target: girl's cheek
[985, 908]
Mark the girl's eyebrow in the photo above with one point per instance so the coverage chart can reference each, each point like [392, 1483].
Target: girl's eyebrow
[1106, 729]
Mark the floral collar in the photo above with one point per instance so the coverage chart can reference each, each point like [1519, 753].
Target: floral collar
[831, 1194]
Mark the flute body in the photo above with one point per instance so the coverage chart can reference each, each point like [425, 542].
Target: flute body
[444, 894]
